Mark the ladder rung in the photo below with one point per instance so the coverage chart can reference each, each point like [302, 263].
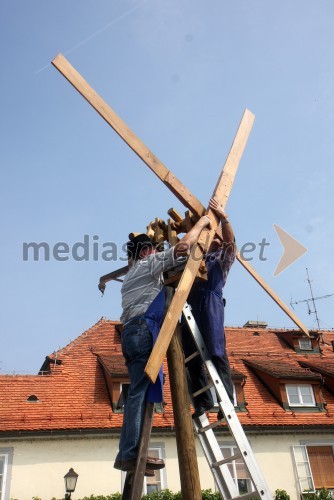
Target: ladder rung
[227, 460]
[201, 430]
[206, 388]
[192, 356]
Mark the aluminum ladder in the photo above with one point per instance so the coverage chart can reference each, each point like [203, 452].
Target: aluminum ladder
[217, 463]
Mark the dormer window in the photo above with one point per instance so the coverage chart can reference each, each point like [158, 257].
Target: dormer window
[295, 388]
[300, 395]
[305, 344]
[301, 343]
[117, 381]
[239, 403]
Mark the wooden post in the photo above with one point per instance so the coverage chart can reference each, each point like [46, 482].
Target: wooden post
[185, 438]
[134, 481]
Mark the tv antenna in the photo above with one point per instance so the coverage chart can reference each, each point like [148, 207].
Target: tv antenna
[311, 306]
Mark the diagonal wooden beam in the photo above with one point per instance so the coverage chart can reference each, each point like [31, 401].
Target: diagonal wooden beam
[157, 167]
[273, 295]
[222, 192]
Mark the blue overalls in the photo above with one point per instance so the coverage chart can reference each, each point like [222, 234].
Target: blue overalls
[207, 305]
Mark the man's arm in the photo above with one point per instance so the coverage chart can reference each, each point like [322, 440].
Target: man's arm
[227, 230]
[183, 247]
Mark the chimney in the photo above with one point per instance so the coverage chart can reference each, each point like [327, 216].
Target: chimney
[255, 324]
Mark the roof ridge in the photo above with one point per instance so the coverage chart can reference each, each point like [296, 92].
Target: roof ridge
[64, 350]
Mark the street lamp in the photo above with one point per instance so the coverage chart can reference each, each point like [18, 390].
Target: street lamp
[70, 482]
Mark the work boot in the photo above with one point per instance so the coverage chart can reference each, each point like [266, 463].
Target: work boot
[152, 463]
[200, 410]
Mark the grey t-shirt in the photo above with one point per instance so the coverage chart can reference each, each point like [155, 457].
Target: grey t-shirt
[143, 283]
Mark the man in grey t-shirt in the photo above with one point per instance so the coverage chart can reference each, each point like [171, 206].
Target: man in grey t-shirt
[140, 291]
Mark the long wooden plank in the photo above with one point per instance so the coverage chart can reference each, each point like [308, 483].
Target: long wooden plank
[165, 175]
[133, 486]
[157, 167]
[222, 192]
[273, 295]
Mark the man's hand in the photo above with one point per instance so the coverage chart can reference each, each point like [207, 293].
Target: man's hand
[217, 208]
[204, 221]
[183, 247]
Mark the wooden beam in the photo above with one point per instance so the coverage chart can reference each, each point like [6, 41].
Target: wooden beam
[114, 275]
[174, 214]
[273, 295]
[134, 481]
[174, 311]
[157, 167]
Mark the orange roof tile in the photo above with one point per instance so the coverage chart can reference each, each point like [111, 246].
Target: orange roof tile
[283, 369]
[73, 395]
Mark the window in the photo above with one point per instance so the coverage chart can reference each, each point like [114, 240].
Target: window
[315, 466]
[123, 394]
[156, 482]
[303, 468]
[3, 465]
[238, 470]
[215, 399]
[305, 344]
[6, 458]
[322, 465]
[300, 395]
[122, 397]
[32, 399]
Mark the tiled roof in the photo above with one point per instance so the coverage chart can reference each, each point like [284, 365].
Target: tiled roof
[74, 396]
[321, 366]
[279, 368]
[113, 363]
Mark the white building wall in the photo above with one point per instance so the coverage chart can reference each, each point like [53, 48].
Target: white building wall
[39, 465]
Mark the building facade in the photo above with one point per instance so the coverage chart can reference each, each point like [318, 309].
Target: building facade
[70, 415]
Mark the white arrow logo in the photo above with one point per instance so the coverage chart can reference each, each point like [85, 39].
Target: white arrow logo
[293, 250]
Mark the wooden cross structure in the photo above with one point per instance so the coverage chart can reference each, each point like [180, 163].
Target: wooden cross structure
[186, 447]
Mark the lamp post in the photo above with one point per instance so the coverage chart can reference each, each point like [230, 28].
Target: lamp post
[70, 482]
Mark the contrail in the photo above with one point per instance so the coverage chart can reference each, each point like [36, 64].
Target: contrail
[98, 32]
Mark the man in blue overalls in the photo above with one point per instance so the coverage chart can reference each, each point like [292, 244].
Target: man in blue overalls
[143, 303]
[207, 306]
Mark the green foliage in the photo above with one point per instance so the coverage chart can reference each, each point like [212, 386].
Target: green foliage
[322, 494]
[159, 495]
[113, 496]
[163, 495]
[281, 495]
[169, 495]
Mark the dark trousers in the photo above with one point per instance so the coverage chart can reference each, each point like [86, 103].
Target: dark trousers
[197, 378]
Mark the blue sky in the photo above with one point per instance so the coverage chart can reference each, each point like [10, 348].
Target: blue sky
[179, 73]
